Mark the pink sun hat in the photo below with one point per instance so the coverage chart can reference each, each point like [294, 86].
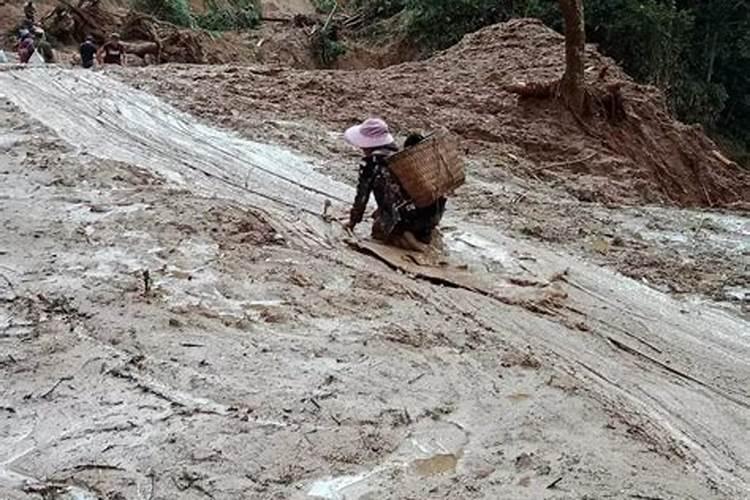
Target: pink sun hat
[372, 133]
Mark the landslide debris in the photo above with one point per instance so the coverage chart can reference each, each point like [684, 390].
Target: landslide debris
[644, 157]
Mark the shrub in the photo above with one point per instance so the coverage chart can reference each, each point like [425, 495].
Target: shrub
[327, 47]
[439, 24]
[380, 9]
[324, 6]
[173, 11]
[232, 15]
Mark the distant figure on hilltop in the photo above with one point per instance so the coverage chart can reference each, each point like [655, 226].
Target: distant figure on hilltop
[43, 47]
[25, 48]
[112, 52]
[29, 11]
[88, 52]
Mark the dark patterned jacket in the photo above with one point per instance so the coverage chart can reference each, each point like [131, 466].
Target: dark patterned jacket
[376, 178]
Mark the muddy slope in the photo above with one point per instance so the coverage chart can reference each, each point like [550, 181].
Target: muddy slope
[269, 360]
[649, 157]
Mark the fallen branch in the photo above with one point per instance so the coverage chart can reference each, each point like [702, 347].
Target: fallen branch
[82, 467]
[333, 417]
[608, 97]
[83, 15]
[10, 284]
[57, 384]
[191, 344]
[566, 163]
[538, 90]
[330, 16]
[554, 483]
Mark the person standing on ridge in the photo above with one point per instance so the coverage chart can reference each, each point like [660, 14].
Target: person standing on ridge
[25, 46]
[43, 47]
[112, 52]
[29, 11]
[88, 52]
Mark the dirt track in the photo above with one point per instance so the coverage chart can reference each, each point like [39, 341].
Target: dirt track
[268, 357]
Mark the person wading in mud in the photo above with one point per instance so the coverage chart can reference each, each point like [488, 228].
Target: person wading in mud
[43, 47]
[112, 52]
[25, 46]
[397, 221]
[88, 52]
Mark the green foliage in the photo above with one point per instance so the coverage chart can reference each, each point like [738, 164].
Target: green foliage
[647, 37]
[440, 23]
[697, 52]
[327, 47]
[230, 15]
[718, 60]
[324, 6]
[380, 9]
[221, 15]
[173, 11]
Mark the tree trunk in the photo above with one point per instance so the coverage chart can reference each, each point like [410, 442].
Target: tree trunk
[572, 87]
[712, 58]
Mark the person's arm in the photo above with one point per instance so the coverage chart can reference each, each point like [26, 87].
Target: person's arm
[364, 188]
[123, 53]
[100, 54]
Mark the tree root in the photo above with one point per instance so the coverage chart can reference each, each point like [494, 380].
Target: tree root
[605, 100]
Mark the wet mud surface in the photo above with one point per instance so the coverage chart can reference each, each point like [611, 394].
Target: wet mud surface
[554, 200]
[646, 157]
[172, 328]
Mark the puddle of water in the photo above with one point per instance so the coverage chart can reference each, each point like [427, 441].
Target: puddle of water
[435, 449]
[727, 231]
[467, 243]
[110, 261]
[737, 293]
[264, 303]
[340, 488]
[438, 464]
[475, 251]
[75, 493]
[338, 283]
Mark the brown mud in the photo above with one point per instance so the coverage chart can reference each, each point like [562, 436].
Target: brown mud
[261, 357]
[648, 157]
[534, 171]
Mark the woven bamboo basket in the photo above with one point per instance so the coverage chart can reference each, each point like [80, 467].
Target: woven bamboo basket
[429, 170]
